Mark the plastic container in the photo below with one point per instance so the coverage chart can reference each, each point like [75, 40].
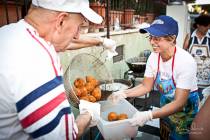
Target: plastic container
[117, 130]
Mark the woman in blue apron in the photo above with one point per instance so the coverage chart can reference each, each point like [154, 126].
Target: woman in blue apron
[175, 126]
[198, 45]
[172, 71]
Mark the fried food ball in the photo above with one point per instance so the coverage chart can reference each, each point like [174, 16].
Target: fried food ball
[97, 93]
[89, 78]
[122, 116]
[92, 98]
[92, 80]
[112, 116]
[89, 86]
[79, 82]
[84, 98]
[84, 91]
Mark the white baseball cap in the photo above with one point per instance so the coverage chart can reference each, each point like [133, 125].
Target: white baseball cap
[72, 6]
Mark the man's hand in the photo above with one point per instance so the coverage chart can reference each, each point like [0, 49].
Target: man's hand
[92, 108]
[140, 118]
[115, 97]
[110, 46]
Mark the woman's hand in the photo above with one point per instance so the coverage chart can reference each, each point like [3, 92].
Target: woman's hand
[141, 117]
[115, 97]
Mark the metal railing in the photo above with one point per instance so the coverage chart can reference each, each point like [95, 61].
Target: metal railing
[120, 11]
[111, 10]
[13, 10]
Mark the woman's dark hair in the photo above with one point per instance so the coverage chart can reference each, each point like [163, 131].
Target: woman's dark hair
[203, 20]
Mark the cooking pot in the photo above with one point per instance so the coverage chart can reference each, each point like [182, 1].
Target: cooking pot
[137, 64]
[116, 85]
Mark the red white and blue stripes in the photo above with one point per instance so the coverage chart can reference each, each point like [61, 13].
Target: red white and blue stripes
[45, 110]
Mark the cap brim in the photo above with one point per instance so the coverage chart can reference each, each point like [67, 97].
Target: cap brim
[143, 31]
[91, 15]
[152, 31]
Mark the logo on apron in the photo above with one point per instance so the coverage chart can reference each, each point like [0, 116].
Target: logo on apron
[199, 52]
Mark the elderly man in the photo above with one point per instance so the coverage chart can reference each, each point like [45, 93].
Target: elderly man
[33, 103]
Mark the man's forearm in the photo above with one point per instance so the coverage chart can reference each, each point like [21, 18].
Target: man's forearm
[84, 43]
[83, 121]
[88, 40]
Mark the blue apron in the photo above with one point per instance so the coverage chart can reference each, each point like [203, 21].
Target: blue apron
[177, 125]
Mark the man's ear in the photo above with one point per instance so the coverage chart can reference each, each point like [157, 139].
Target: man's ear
[61, 17]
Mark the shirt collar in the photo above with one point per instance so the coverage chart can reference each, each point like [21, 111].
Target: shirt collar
[33, 30]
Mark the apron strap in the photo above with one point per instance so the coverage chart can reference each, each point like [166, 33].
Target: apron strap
[158, 67]
[173, 67]
[204, 41]
[195, 40]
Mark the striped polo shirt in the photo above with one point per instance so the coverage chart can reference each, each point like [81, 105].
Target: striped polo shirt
[33, 103]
